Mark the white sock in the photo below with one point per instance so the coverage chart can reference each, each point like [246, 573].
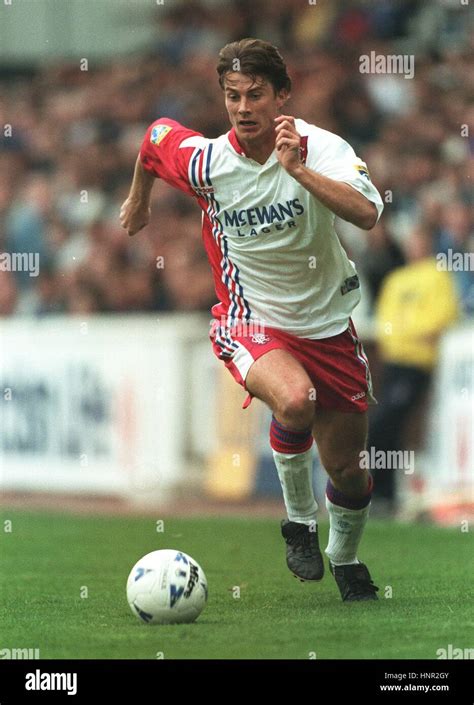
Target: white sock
[345, 532]
[296, 477]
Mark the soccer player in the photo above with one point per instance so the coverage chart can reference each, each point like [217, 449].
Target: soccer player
[269, 190]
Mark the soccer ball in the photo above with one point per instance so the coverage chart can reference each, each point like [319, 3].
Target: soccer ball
[166, 587]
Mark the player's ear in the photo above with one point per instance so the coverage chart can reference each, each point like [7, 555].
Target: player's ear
[282, 97]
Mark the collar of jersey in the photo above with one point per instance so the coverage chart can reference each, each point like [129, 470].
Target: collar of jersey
[240, 150]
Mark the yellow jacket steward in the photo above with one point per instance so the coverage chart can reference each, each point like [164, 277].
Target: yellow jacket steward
[416, 304]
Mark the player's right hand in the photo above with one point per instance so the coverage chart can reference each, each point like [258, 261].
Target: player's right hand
[134, 216]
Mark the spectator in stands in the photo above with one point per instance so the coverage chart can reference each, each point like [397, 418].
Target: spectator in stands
[8, 294]
[64, 168]
[382, 256]
[417, 303]
[456, 237]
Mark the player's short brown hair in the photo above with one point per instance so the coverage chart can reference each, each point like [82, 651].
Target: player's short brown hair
[254, 58]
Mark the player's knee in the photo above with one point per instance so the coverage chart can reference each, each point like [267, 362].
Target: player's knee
[347, 470]
[296, 407]
[350, 479]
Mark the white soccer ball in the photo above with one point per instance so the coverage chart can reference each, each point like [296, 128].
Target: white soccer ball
[166, 587]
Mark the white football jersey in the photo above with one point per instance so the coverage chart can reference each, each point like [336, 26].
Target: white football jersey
[274, 253]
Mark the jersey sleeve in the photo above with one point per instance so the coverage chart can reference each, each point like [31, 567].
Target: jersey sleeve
[333, 157]
[164, 155]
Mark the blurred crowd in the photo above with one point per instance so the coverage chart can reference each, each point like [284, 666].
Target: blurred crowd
[67, 161]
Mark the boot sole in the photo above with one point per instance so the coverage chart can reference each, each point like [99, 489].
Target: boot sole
[307, 580]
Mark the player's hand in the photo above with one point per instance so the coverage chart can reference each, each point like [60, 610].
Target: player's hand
[134, 216]
[287, 142]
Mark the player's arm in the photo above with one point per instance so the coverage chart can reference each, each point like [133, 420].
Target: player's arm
[135, 212]
[162, 156]
[339, 197]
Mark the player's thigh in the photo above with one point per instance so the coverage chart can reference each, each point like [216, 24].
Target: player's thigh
[340, 438]
[279, 380]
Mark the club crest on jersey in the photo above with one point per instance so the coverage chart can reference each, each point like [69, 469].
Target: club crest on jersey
[260, 338]
[158, 133]
[363, 171]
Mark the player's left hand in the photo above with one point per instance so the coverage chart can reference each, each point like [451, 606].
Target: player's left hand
[287, 142]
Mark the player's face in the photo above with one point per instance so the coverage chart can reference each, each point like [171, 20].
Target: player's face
[252, 107]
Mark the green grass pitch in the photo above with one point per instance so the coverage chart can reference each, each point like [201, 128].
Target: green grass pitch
[48, 559]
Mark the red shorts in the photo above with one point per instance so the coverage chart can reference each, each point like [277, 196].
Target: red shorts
[337, 366]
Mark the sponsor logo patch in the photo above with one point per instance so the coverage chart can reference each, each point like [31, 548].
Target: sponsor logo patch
[158, 133]
[350, 284]
[203, 190]
[360, 395]
[363, 171]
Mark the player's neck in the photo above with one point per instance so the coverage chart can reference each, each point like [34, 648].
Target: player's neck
[261, 151]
